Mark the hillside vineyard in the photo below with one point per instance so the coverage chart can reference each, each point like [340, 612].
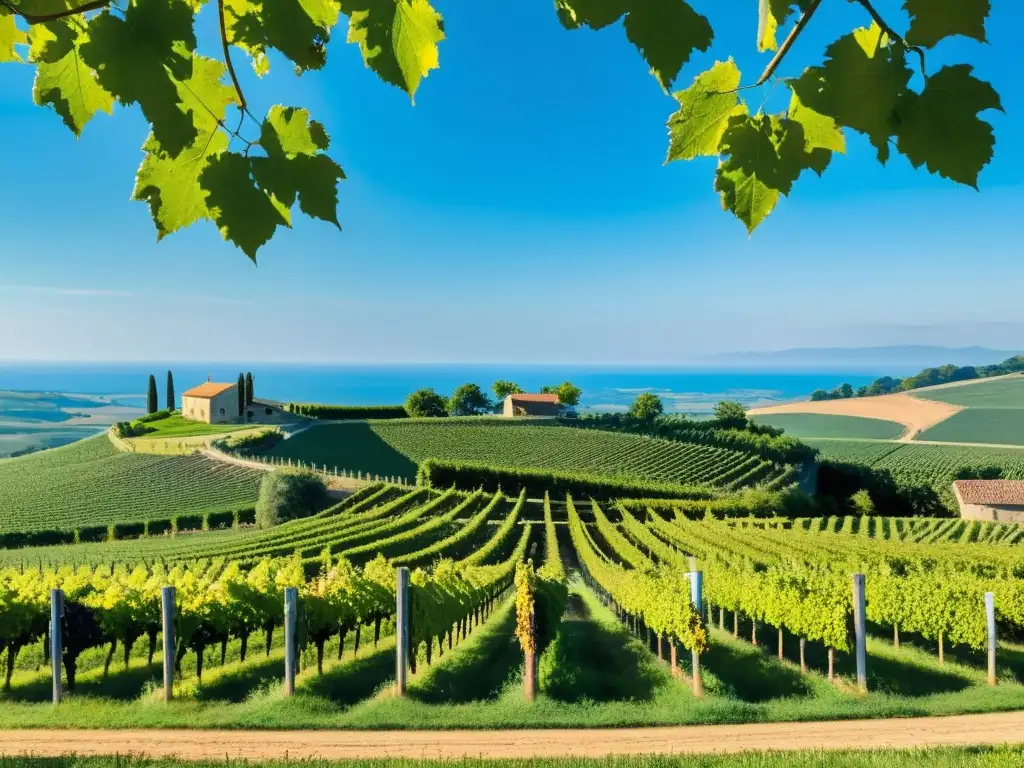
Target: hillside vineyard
[464, 549]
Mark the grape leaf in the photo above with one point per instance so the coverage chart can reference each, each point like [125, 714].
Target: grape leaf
[744, 181]
[766, 155]
[10, 36]
[666, 32]
[860, 85]
[294, 167]
[398, 38]
[933, 20]
[772, 14]
[940, 127]
[705, 109]
[63, 81]
[300, 29]
[169, 183]
[140, 58]
[822, 136]
[243, 212]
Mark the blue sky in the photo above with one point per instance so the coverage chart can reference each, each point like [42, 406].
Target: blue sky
[520, 212]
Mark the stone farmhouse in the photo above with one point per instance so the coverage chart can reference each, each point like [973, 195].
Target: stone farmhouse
[531, 405]
[211, 403]
[1001, 500]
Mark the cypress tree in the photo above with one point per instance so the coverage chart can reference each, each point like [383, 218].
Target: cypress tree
[151, 398]
[170, 391]
[241, 394]
[248, 388]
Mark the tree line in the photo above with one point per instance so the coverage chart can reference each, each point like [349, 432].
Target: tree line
[471, 400]
[929, 377]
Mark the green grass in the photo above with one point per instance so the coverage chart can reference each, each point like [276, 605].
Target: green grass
[594, 674]
[803, 425]
[1003, 426]
[1001, 392]
[396, 447]
[177, 425]
[91, 483]
[916, 464]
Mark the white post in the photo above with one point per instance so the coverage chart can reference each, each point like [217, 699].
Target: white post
[697, 598]
[990, 617]
[291, 605]
[859, 632]
[402, 629]
[167, 615]
[56, 641]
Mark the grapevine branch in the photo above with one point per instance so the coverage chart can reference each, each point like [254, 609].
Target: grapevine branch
[892, 34]
[31, 18]
[225, 46]
[787, 44]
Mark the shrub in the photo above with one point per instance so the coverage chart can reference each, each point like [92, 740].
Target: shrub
[256, 442]
[158, 527]
[425, 403]
[246, 516]
[216, 520]
[129, 530]
[286, 494]
[93, 533]
[189, 522]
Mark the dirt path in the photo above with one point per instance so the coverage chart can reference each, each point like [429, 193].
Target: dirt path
[914, 414]
[1000, 728]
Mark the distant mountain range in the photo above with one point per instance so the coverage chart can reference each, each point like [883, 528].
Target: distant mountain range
[895, 361]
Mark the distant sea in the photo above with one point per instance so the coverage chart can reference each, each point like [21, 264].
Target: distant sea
[605, 388]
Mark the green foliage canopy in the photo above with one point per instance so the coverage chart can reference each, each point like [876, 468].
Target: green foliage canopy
[425, 403]
[208, 157]
[731, 415]
[502, 388]
[469, 400]
[286, 494]
[646, 407]
[568, 393]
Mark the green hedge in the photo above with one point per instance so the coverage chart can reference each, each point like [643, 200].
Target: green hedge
[128, 530]
[94, 533]
[158, 527]
[247, 516]
[223, 519]
[188, 523]
[14, 540]
[348, 412]
[469, 476]
[753, 502]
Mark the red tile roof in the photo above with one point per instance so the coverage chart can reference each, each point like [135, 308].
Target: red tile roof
[525, 398]
[208, 390]
[1010, 492]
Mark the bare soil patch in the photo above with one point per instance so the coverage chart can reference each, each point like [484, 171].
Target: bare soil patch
[916, 415]
[988, 729]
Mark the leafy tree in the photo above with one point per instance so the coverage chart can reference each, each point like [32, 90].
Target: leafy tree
[646, 407]
[171, 404]
[241, 394]
[425, 403]
[248, 388]
[731, 415]
[286, 494]
[503, 388]
[208, 156]
[862, 503]
[151, 396]
[845, 391]
[469, 400]
[568, 393]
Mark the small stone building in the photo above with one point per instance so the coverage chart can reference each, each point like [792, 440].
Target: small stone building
[211, 403]
[531, 405]
[1001, 500]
